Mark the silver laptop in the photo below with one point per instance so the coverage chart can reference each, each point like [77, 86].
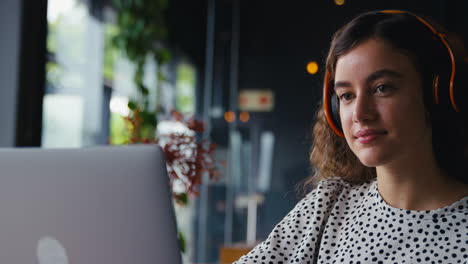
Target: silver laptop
[92, 205]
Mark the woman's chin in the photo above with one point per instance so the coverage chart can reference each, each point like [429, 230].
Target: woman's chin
[372, 160]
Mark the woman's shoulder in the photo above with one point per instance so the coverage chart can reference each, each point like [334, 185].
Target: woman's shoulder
[335, 186]
[329, 194]
[306, 222]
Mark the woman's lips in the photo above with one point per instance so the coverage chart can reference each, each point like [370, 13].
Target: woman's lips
[369, 135]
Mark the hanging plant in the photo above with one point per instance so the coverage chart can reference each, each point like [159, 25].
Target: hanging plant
[141, 34]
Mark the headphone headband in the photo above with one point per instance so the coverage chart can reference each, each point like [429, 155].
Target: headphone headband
[327, 93]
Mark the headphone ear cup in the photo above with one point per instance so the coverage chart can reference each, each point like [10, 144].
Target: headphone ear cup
[335, 108]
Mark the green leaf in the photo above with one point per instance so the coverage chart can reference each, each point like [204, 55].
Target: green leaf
[166, 55]
[132, 105]
[139, 26]
[130, 53]
[149, 118]
[144, 91]
[182, 242]
[183, 197]
[126, 18]
[147, 130]
[161, 76]
[119, 42]
[138, 77]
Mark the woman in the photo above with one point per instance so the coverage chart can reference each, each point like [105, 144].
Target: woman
[390, 152]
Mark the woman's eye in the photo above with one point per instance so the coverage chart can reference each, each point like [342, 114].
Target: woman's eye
[383, 88]
[345, 96]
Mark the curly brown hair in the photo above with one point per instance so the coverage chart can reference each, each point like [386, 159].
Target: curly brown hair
[330, 155]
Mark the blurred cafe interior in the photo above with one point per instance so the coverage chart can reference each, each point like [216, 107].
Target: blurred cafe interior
[74, 74]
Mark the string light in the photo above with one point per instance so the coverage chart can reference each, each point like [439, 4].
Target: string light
[230, 116]
[312, 67]
[244, 117]
[340, 2]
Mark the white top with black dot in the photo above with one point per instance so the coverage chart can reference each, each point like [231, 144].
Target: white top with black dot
[340, 222]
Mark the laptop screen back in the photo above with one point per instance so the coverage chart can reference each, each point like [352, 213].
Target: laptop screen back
[93, 205]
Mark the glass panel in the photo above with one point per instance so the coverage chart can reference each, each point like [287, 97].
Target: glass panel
[62, 113]
[75, 87]
[89, 85]
[118, 128]
[185, 88]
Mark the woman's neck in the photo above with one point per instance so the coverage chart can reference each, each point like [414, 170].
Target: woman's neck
[418, 184]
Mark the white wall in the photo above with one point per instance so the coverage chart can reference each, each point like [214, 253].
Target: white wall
[10, 26]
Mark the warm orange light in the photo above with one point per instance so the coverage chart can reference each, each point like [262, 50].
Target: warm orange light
[230, 116]
[244, 117]
[339, 2]
[312, 67]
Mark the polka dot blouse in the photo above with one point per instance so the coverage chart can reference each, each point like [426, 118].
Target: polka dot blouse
[339, 222]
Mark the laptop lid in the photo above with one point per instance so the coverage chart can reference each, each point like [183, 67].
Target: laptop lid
[92, 205]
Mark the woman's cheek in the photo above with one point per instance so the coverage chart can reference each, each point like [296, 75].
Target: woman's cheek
[346, 120]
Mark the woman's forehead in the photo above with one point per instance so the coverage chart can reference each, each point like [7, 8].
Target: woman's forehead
[369, 57]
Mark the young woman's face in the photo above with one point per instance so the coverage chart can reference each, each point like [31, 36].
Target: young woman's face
[381, 105]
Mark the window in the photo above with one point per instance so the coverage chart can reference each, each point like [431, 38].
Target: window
[73, 111]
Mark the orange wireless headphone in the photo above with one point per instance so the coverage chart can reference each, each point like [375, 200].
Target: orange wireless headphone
[330, 102]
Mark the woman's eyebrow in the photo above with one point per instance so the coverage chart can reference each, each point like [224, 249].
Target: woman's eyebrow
[383, 73]
[341, 84]
[372, 77]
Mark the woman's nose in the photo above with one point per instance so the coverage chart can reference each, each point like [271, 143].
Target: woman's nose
[364, 109]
